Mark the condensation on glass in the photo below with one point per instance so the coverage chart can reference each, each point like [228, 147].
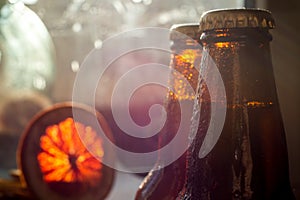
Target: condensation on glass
[249, 160]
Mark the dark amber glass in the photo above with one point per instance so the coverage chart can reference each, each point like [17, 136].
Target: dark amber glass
[249, 160]
[164, 182]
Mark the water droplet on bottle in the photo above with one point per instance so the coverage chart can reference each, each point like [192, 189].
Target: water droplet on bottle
[75, 66]
[77, 27]
[98, 44]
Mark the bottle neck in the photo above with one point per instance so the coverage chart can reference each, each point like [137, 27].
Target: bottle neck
[242, 35]
[243, 59]
[177, 46]
[185, 62]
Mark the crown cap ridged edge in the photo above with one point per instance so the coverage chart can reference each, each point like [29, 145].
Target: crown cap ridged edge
[236, 18]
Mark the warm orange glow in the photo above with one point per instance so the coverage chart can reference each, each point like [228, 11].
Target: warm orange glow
[253, 104]
[259, 104]
[222, 34]
[224, 44]
[184, 64]
[64, 158]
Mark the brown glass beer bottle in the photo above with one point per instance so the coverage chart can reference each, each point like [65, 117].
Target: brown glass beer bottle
[249, 159]
[165, 181]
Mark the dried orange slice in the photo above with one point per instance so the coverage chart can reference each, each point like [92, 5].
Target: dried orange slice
[61, 157]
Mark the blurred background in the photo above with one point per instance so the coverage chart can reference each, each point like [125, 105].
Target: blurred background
[75, 27]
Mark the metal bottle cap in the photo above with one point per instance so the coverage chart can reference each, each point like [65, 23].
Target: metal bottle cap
[236, 18]
[182, 31]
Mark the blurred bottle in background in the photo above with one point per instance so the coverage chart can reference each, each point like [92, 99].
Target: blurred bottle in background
[27, 67]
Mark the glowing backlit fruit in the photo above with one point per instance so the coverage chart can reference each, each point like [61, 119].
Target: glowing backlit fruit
[61, 157]
[65, 158]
